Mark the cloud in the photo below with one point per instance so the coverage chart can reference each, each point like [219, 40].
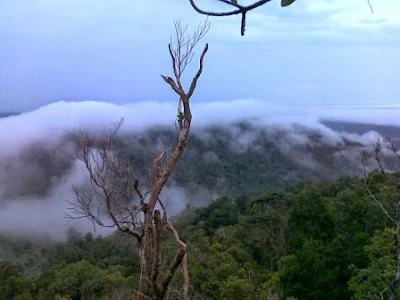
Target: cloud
[30, 216]
[55, 119]
[39, 155]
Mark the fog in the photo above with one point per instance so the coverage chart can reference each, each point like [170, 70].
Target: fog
[39, 166]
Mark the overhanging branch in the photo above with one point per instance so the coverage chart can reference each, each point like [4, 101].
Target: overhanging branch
[242, 10]
[238, 10]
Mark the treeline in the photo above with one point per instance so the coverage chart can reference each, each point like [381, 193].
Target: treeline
[327, 240]
[246, 157]
[220, 160]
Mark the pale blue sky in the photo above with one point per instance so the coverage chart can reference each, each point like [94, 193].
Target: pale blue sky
[314, 52]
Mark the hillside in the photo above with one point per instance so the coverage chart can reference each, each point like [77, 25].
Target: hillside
[255, 228]
[235, 159]
[248, 157]
[292, 243]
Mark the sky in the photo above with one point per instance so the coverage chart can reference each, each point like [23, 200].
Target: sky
[313, 53]
[71, 64]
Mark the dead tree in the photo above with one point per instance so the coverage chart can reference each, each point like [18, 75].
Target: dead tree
[394, 218]
[392, 215]
[394, 283]
[377, 155]
[115, 198]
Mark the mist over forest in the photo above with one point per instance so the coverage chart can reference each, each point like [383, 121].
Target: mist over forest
[270, 205]
[236, 152]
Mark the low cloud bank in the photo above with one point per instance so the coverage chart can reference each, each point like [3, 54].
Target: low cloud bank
[39, 167]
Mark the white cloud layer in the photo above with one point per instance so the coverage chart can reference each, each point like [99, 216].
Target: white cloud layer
[46, 125]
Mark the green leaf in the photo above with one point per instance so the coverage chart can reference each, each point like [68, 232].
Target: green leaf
[286, 2]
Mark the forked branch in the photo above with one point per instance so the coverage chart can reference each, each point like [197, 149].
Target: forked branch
[181, 52]
[236, 10]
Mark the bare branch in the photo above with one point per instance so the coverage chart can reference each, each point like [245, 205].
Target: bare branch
[172, 83]
[238, 10]
[181, 51]
[198, 74]
[372, 196]
[179, 259]
[370, 6]
[393, 147]
[377, 152]
[182, 48]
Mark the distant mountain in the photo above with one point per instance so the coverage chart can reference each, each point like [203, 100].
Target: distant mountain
[246, 158]
[361, 128]
[224, 160]
[8, 114]
[238, 159]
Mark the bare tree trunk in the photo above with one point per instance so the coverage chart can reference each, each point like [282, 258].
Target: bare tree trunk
[117, 200]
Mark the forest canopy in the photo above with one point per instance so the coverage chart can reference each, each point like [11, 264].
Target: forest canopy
[325, 240]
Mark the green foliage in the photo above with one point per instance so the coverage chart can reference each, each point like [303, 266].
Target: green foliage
[244, 159]
[373, 281]
[222, 212]
[13, 285]
[312, 265]
[286, 2]
[236, 288]
[309, 241]
[310, 217]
